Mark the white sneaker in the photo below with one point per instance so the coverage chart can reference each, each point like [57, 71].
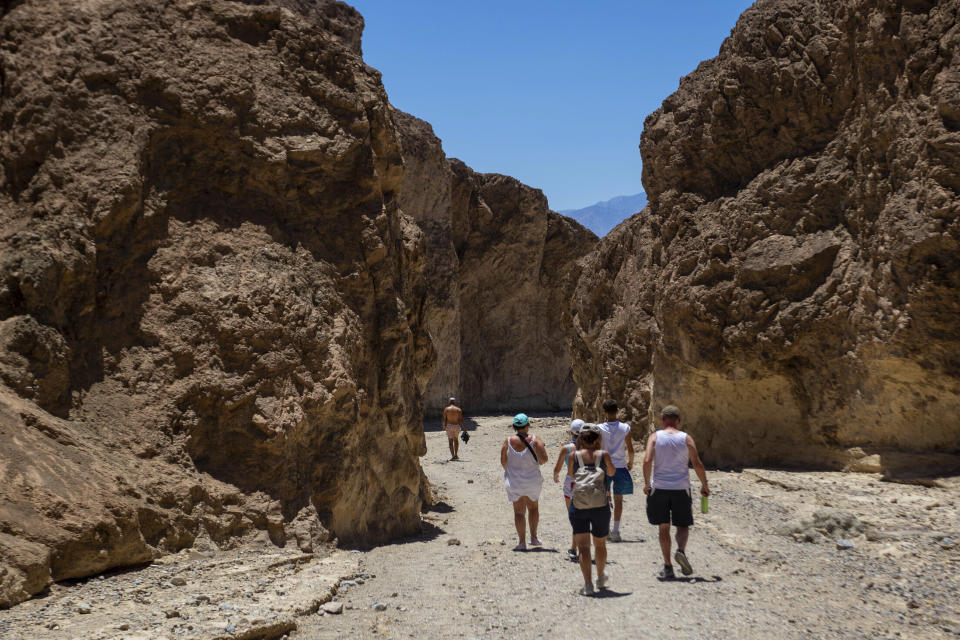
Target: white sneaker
[614, 536]
[587, 590]
[602, 581]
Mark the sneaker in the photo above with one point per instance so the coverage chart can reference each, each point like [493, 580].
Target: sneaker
[681, 559]
[602, 581]
[614, 536]
[587, 590]
[536, 542]
[666, 573]
[572, 554]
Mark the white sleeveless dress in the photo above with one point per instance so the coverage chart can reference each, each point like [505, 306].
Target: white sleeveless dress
[522, 476]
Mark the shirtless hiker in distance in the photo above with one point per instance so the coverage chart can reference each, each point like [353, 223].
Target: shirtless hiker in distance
[453, 425]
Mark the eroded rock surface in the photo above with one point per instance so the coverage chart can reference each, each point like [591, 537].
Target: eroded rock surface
[793, 285]
[499, 269]
[209, 298]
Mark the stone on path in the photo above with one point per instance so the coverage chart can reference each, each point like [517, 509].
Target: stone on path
[333, 607]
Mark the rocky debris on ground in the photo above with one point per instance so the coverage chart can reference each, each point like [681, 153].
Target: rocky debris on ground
[793, 283]
[244, 593]
[825, 522]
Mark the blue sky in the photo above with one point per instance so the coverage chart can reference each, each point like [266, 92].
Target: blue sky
[553, 93]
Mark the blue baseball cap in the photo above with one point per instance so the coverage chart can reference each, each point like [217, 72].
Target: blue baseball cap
[520, 421]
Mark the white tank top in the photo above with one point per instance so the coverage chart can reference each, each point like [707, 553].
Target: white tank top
[670, 461]
[523, 470]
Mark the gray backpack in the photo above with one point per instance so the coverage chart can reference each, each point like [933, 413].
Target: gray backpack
[589, 490]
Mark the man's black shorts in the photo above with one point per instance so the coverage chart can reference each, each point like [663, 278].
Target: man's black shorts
[662, 503]
[595, 521]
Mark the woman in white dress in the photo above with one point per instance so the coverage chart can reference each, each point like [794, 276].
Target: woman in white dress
[521, 457]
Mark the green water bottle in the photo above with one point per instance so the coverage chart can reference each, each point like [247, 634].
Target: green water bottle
[704, 506]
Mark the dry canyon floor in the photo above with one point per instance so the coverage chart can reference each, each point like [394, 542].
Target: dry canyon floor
[780, 554]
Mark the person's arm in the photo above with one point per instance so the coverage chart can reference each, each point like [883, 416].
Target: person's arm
[630, 453]
[648, 462]
[698, 465]
[443, 421]
[608, 462]
[503, 454]
[538, 447]
[556, 467]
[463, 427]
[570, 458]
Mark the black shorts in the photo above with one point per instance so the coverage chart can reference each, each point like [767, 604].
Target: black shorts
[662, 503]
[595, 521]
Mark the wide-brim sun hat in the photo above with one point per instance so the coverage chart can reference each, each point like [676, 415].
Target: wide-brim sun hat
[575, 426]
[520, 421]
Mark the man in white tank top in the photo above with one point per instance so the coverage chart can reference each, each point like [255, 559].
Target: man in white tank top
[617, 441]
[669, 453]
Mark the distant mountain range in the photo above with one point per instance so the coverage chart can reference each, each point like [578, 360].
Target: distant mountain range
[604, 216]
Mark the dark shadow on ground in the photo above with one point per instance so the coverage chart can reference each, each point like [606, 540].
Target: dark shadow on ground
[428, 531]
[116, 571]
[610, 593]
[540, 550]
[691, 579]
[438, 507]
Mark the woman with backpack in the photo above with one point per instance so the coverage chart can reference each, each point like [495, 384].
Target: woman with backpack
[590, 504]
[521, 456]
[562, 459]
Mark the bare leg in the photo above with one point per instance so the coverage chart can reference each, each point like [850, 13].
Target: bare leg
[582, 541]
[683, 534]
[573, 538]
[665, 542]
[534, 515]
[519, 518]
[456, 448]
[617, 506]
[600, 546]
[452, 442]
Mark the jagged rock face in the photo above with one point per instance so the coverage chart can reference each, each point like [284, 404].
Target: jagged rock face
[206, 283]
[498, 274]
[793, 285]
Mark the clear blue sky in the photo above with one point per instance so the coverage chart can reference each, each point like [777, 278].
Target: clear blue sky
[551, 92]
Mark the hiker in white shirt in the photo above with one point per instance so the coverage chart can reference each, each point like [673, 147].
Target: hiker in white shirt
[668, 455]
[521, 456]
[616, 440]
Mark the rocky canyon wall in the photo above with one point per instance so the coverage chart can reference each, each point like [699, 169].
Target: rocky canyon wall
[210, 300]
[794, 284]
[228, 271]
[499, 273]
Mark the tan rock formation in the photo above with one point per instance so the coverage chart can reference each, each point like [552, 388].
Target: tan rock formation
[210, 302]
[793, 285]
[497, 276]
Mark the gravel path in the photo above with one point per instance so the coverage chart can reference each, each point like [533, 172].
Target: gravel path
[780, 555]
[752, 578]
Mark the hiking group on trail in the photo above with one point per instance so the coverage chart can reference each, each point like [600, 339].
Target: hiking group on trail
[598, 461]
